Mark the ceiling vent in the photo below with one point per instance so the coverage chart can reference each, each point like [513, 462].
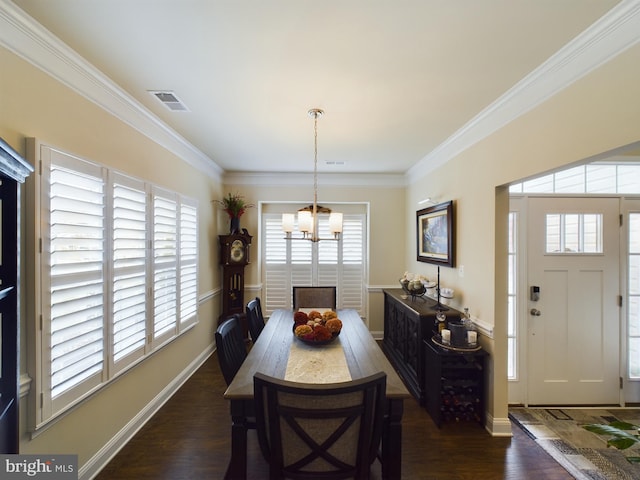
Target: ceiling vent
[170, 100]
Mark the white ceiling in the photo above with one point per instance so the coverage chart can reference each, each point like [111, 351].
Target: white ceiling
[397, 79]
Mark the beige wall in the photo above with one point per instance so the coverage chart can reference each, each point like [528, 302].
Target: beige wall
[34, 105]
[598, 113]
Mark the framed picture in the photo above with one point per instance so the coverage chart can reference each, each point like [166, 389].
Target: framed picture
[435, 234]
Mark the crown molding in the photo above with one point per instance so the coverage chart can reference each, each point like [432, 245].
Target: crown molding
[610, 35]
[284, 179]
[22, 35]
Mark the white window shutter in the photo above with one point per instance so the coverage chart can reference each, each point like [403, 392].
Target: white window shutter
[129, 269]
[276, 266]
[118, 268]
[165, 249]
[353, 254]
[325, 263]
[76, 256]
[188, 263]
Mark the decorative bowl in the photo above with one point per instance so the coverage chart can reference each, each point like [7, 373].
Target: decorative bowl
[415, 292]
[311, 341]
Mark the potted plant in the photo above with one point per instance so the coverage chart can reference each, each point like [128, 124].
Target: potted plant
[235, 205]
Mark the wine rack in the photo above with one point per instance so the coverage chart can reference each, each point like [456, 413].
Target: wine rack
[454, 384]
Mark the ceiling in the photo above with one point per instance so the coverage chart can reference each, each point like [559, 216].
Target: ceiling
[397, 78]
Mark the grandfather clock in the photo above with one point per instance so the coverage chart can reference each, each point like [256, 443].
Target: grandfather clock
[234, 256]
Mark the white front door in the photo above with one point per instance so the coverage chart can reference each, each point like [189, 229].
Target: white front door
[574, 327]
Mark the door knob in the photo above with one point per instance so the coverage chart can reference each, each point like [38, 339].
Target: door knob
[535, 312]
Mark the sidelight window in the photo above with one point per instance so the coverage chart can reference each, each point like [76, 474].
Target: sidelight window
[633, 297]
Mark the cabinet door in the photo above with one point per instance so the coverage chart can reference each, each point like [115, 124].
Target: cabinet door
[411, 342]
[392, 333]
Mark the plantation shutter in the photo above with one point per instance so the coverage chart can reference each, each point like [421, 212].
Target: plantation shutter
[165, 250]
[353, 272]
[327, 273]
[188, 263]
[276, 266]
[129, 268]
[301, 266]
[116, 269]
[304, 263]
[76, 279]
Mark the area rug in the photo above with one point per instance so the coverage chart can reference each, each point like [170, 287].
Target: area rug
[583, 454]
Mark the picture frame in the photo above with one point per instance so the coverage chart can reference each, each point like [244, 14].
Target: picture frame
[435, 234]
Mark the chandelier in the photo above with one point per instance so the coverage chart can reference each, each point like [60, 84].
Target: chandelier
[308, 216]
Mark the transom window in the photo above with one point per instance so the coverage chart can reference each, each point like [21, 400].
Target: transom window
[595, 178]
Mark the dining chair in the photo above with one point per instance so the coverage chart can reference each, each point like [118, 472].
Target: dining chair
[230, 346]
[314, 431]
[314, 297]
[255, 319]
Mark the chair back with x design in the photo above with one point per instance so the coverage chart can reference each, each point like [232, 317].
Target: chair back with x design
[313, 431]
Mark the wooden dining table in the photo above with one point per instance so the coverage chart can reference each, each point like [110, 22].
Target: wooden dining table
[270, 355]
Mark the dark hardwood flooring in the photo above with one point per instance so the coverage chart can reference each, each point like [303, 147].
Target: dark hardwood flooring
[189, 439]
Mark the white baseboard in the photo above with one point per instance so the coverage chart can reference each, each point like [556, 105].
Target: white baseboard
[96, 463]
[498, 427]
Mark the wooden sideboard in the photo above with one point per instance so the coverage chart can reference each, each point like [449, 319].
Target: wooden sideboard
[407, 323]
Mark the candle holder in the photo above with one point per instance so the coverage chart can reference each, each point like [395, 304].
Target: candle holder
[439, 306]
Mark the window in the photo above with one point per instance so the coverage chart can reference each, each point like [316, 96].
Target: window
[633, 309]
[597, 178]
[118, 275]
[512, 296]
[573, 233]
[301, 262]
[165, 263]
[129, 268]
[76, 277]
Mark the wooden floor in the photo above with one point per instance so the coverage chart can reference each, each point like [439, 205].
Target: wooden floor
[189, 438]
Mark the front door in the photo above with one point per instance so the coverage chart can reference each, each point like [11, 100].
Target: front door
[574, 326]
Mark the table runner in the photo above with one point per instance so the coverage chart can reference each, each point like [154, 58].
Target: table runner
[317, 364]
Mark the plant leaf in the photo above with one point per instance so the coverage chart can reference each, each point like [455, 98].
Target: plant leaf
[621, 443]
[620, 438]
[623, 425]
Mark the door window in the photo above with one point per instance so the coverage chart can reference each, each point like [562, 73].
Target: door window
[571, 233]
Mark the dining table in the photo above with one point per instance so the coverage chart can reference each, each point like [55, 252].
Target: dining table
[354, 354]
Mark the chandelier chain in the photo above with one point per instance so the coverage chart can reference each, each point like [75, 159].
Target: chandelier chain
[308, 224]
[315, 164]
